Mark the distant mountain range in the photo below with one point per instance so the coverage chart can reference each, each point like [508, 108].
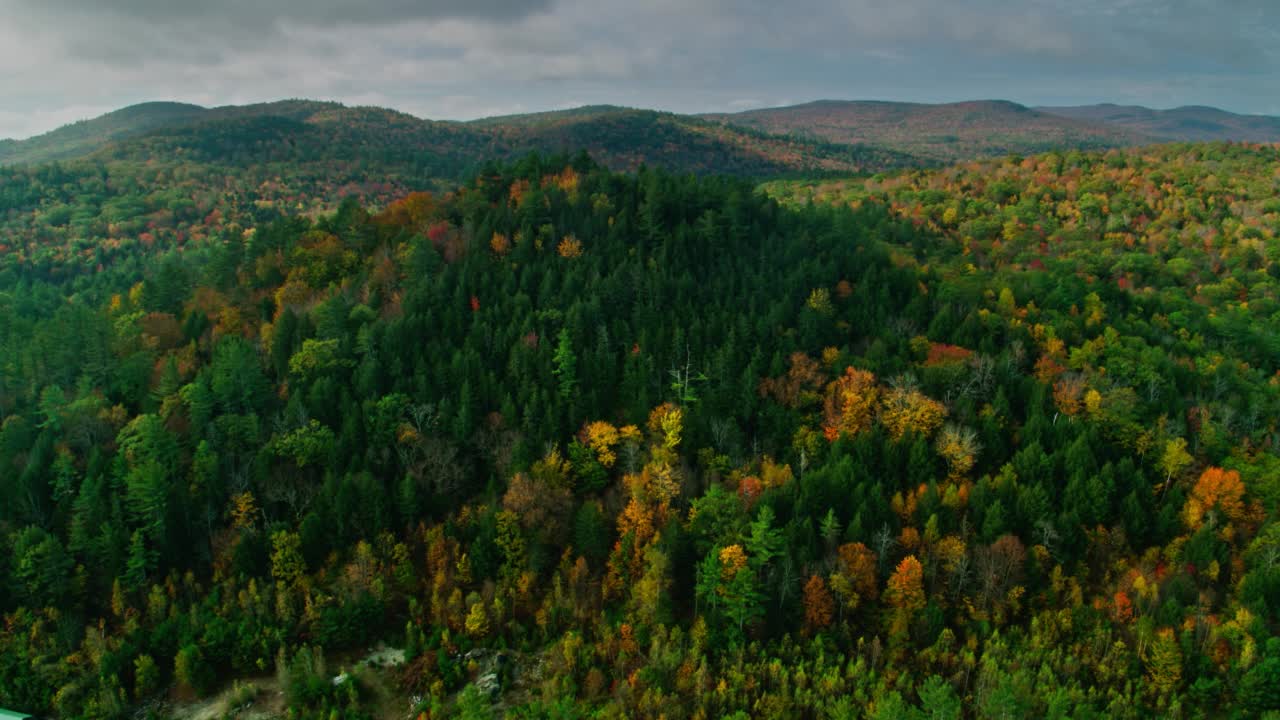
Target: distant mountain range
[306, 131]
[954, 131]
[1191, 123]
[942, 133]
[828, 137]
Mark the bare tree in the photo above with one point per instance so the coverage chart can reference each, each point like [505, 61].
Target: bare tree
[883, 542]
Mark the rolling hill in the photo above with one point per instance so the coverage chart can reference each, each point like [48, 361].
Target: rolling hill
[307, 131]
[625, 138]
[944, 132]
[209, 173]
[822, 137]
[1193, 123]
[84, 137]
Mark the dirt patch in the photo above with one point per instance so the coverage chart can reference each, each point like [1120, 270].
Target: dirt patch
[383, 657]
[258, 698]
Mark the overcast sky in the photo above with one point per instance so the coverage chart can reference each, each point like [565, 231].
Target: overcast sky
[64, 60]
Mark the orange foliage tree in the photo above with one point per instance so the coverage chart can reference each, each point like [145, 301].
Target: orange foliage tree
[819, 606]
[1219, 491]
[412, 212]
[854, 579]
[1068, 393]
[799, 386]
[905, 589]
[905, 592]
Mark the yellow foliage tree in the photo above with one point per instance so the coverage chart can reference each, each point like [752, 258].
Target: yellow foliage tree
[657, 483]
[850, 404]
[477, 623]
[732, 559]
[1164, 662]
[602, 438]
[773, 475]
[569, 247]
[959, 447]
[906, 409]
[244, 510]
[820, 301]
[1174, 460]
[637, 518]
[672, 426]
[500, 244]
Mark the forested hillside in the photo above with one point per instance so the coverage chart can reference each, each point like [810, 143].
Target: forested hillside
[311, 132]
[86, 136]
[230, 169]
[1187, 124]
[990, 441]
[945, 132]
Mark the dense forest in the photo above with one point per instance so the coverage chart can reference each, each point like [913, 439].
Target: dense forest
[991, 441]
[150, 178]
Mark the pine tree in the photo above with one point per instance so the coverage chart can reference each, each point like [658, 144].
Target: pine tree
[566, 364]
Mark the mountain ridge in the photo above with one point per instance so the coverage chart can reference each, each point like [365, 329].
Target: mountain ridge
[622, 138]
[941, 132]
[825, 136]
[1186, 123]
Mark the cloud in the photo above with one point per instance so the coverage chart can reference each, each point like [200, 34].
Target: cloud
[250, 14]
[136, 31]
[466, 58]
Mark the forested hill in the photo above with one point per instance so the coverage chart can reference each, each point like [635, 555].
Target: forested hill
[625, 139]
[822, 136]
[84, 137]
[653, 445]
[317, 132]
[233, 169]
[1190, 123]
[945, 132]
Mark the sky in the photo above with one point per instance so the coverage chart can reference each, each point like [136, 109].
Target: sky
[66, 60]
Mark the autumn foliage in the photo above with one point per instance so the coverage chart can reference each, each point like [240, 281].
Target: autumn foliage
[1217, 491]
[980, 477]
[850, 404]
[819, 606]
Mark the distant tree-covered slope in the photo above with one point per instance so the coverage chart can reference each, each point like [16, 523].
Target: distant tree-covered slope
[625, 138]
[1190, 123]
[84, 137]
[942, 132]
[1194, 225]
[302, 131]
[827, 136]
[233, 169]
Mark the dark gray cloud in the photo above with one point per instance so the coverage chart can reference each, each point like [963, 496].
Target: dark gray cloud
[251, 14]
[66, 59]
[137, 31]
